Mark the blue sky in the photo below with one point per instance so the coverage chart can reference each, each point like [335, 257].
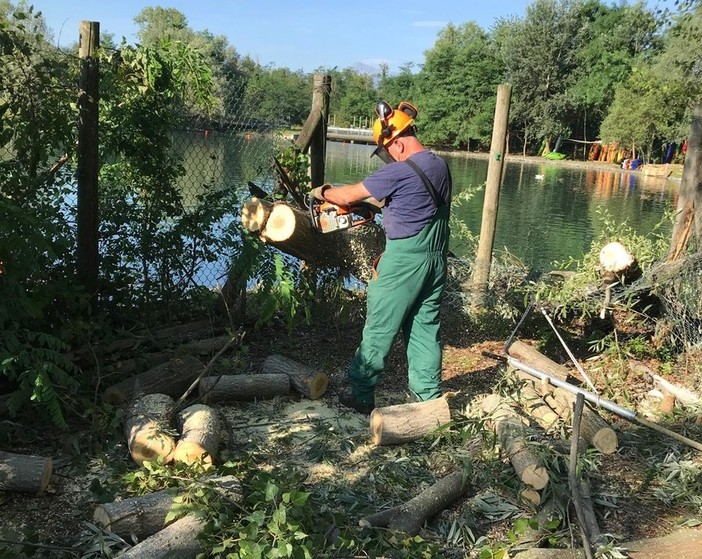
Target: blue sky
[298, 35]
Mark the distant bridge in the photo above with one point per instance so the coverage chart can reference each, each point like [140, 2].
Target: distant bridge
[353, 135]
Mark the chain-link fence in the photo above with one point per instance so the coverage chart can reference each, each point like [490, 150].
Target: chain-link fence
[229, 154]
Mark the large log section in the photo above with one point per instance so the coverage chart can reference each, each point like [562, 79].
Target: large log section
[145, 515]
[511, 435]
[305, 380]
[199, 427]
[289, 229]
[594, 429]
[148, 428]
[177, 541]
[244, 387]
[24, 473]
[407, 422]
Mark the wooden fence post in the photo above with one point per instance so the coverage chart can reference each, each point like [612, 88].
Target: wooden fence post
[481, 272]
[318, 146]
[87, 218]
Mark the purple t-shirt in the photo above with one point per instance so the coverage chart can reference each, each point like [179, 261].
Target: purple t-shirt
[408, 205]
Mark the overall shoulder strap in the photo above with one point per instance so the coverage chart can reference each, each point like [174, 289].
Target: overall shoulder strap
[428, 184]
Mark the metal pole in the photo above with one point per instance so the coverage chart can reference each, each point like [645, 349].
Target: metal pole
[601, 402]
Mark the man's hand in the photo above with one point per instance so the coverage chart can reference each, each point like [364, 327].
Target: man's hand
[318, 192]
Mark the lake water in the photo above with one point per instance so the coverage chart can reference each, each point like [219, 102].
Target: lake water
[548, 211]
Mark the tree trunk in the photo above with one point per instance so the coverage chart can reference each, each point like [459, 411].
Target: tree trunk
[690, 196]
[231, 388]
[305, 380]
[407, 422]
[199, 427]
[148, 428]
[411, 516]
[177, 541]
[143, 516]
[511, 435]
[290, 230]
[24, 473]
[171, 378]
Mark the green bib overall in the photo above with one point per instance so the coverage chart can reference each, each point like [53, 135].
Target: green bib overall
[405, 296]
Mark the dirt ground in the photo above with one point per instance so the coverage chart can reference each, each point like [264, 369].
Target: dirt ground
[84, 458]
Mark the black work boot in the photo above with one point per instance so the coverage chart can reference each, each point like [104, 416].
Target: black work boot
[346, 399]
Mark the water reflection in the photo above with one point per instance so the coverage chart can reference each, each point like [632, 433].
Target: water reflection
[548, 212]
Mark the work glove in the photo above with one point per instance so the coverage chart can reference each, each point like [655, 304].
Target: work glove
[318, 192]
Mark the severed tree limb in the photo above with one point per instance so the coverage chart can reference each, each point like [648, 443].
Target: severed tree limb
[235, 339]
[409, 517]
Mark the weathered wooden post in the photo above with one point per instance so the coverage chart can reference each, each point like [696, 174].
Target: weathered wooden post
[314, 131]
[481, 272]
[689, 209]
[87, 218]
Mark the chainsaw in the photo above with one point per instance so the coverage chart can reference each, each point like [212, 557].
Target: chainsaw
[328, 218]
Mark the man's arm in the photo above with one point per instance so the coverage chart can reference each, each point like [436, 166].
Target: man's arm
[347, 194]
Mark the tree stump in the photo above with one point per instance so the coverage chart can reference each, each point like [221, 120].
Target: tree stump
[24, 473]
[289, 229]
[407, 422]
[143, 516]
[303, 379]
[171, 378]
[199, 427]
[411, 516]
[511, 435]
[148, 428]
[230, 388]
[176, 541]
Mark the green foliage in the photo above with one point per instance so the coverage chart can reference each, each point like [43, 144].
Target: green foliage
[572, 295]
[296, 164]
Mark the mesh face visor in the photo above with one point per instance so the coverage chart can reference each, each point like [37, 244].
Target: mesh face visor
[382, 152]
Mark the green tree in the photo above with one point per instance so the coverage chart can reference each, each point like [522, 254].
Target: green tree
[353, 97]
[539, 54]
[456, 87]
[614, 39]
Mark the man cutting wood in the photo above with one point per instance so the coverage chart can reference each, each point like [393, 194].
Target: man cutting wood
[405, 293]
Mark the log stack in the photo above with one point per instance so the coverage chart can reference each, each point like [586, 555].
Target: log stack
[171, 378]
[594, 429]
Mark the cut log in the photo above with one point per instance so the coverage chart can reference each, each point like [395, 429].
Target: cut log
[242, 388]
[143, 516]
[407, 422]
[289, 229]
[205, 347]
[531, 400]
[511, 435]
[24, 473]
[148, 428]
[682, 394]
[409, 517]
[199, 427]
[136, 365]
[171, 378]
[305, 380]
[594, 429]
[176, 541]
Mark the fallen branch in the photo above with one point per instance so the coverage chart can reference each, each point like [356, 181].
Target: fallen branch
[409, 517]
